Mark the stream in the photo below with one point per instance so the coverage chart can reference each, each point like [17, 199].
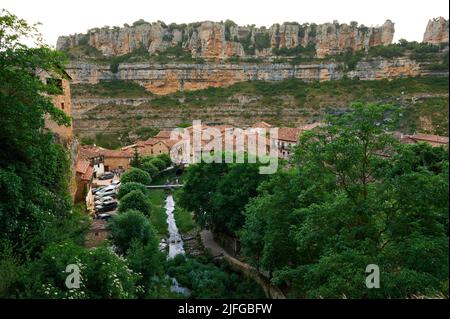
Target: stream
[175, 243]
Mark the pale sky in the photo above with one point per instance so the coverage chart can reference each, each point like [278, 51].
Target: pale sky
[77, 16]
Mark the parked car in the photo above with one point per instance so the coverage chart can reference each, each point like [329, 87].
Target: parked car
[115, 183]
[106, 208]
[98, 189]
[109, 193]
[106, 175]
[104, 216]
[103, 200]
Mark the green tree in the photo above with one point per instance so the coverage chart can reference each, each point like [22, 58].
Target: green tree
[158, 163]
[136, 175]
[33, 175]
[165, 158]
[136, 161]
[135, 200]
[151, 169]
[355, 197]
[131, 186]
[128, 226]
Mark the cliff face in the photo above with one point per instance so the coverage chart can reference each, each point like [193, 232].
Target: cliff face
[436, 31]
[224, 40]
[164, 79]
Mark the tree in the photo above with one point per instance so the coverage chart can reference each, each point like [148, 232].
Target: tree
[136, 175]
[33, 170]
[158, 163]
[131, 186]
[136, 161]
[355, 197]
[148, 167]
[129, 226]
[135, 200]
[146, 260]
[165, 158]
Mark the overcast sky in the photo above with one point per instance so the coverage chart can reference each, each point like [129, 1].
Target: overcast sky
[76, 16]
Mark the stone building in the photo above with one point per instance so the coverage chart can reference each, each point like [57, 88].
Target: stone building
[61, 101]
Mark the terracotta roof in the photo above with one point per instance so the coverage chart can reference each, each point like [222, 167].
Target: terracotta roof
[261, 124]
[429, 138]
[288, 134]
[311, 126]
[87, 176]
[163, 135]
[170, 143]
[88, 152]
[116, 153]
[81, 166]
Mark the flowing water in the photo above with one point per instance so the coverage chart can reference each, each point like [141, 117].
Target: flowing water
[175, 242]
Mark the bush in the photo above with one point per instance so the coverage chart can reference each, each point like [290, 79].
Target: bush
[165, 158]
[136, 175]
[130, 226]
[160, 164]
[129, 187]
[150, 168]
[137, 201]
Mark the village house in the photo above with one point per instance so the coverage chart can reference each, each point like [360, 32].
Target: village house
[83, 179]
[62, 101]
[95, 158]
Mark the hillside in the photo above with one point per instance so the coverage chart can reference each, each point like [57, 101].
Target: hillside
[121, 108]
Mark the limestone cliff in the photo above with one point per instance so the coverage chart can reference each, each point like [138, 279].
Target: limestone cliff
[436, 31]
[221, 40]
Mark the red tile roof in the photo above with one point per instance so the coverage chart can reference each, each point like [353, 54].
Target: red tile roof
[261, 124]
[289, 134]
[87, 176]
[81, 166]
[163, 135]
[429, 138]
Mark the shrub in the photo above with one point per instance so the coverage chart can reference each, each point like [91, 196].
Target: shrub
[136, 175]
[130, 226]
[151, 169]
[262, 41]
[160, 164]
[137, 201]
[129, 187]
[165, 158]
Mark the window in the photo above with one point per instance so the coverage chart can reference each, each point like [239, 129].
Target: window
[62, 105]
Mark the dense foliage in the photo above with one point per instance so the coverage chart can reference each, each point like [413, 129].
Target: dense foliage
[135, 200]
[208, 281]
[136, 175]
[355, 198]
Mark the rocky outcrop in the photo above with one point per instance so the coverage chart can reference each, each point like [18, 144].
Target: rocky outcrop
[436, 31]
[168, 78]
[223, 40]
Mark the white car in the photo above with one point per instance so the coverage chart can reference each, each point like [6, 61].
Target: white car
[110, 192]
[102, 200]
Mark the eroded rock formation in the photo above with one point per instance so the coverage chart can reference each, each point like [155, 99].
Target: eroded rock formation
[223, 40]
[436, 31]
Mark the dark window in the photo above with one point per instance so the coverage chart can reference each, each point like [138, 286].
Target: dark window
[62, 105]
